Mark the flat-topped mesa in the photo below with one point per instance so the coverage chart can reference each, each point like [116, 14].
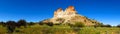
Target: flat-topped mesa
[69, 16]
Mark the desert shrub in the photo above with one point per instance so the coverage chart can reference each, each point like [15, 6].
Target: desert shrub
[78, 24]
[49, 24]
[106, 25]
[41, 23]
[31, 23]
[76, 27]
[98, 25]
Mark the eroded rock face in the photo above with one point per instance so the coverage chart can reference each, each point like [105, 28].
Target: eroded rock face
[70, 11]
[58, 13]
[69, 15]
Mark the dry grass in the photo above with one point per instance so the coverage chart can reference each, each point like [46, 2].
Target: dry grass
[61, 29]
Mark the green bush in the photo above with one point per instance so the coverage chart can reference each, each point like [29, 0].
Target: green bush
[77, 24]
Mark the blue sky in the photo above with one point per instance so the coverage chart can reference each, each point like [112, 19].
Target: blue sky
[105, 11]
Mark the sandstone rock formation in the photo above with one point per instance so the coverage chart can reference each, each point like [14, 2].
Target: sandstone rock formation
[70, 16]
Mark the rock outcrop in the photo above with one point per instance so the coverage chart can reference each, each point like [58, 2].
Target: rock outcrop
[70, 16]
[70, 11]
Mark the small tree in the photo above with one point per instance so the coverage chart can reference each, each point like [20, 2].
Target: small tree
[118, 25]
[2, 23]
[11, 26]
[31, 23]
[21, 23]
[10, 23]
